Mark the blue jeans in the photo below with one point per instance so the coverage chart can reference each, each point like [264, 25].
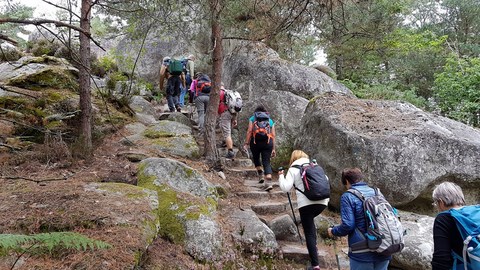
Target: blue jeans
[356, 265]
[183, 91]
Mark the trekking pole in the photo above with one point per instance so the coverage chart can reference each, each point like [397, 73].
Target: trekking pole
[293, 212]
[335, 248]
[294, 218]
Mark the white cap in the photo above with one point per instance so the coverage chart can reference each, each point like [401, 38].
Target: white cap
[166, 58]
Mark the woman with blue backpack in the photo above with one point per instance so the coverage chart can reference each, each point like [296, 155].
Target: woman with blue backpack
[261, 140]
[455, 230]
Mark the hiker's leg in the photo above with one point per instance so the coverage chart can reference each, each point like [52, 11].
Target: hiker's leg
[200, 104]
[225, 122]
[383, 265]
[169, 94]
[361, 265]
[176, 93]
[307, 214]
[256, 156]
[183, 91]
[266, 155]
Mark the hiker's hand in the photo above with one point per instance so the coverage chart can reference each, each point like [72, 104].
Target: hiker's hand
[245, 147]
[274, 153]
[330, 234]
[234, 123]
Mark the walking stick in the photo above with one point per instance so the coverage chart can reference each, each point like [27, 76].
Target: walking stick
[294, 218]
[335, 249]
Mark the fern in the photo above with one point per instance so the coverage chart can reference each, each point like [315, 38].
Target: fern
[47, 242]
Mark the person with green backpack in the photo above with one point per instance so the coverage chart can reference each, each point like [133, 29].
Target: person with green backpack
[172, 71]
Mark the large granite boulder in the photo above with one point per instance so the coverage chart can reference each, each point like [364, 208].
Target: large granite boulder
[186, 206]
[401, 149]
[262, 77]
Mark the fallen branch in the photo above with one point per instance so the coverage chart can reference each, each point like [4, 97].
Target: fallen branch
[20, 91]
[34, 180]
[8, 39]
[61, 116]
[10, 147]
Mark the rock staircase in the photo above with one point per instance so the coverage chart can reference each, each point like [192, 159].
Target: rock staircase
[271, 207]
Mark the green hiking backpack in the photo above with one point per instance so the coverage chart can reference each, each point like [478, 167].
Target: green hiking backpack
[175, 67]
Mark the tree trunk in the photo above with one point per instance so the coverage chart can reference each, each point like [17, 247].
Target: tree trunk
[211, 114]
[84, 80]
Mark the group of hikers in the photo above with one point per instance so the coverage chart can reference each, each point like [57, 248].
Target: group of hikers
[372, 225]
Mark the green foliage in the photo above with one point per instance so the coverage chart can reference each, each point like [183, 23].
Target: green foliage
[457, 89]
[47, 243]
[11, 9]
[113, 78]
[385, 91]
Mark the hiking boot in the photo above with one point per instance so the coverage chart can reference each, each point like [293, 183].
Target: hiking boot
[261, 179]
[230, 154]
[268, 187]
[179, 109]
[313, 268]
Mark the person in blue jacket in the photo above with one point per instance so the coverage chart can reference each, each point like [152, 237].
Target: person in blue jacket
[354, 224]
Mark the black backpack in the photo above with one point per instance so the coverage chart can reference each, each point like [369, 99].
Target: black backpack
[315, 182]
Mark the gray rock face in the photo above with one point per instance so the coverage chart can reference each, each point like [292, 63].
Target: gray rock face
[401, 149]
[261, 77]
[178, 176]
[418, 250]
[166, 136]
[141, 105]
[30, 66]
[284, 228]
[252, 234]
[158, 44]
[204, 241]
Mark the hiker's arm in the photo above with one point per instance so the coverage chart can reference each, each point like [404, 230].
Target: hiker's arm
[191, 67]
[442, 231]
[234, 120]
[249, 134]
[348, 217]
[286, 182]
[162, 77]
[184, 82]
[274, 153]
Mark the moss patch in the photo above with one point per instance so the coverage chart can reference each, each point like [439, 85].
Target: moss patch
[174, 207]
[154, 134]
[52, 78]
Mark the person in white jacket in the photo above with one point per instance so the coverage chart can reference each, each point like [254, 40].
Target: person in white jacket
[308, 209]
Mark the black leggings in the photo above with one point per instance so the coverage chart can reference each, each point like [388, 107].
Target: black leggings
[264, 149]
[307, 214]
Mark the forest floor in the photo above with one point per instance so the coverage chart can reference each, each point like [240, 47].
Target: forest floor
[51, 170]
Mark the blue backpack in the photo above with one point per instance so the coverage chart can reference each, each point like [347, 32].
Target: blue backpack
[467, 219]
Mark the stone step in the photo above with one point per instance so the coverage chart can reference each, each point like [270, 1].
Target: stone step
[261, 195]
[236, 162]
[243, 172]
[165, 115]
[299, 253]
[270, 208]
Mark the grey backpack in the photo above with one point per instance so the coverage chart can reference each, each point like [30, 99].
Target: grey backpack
[385, 232]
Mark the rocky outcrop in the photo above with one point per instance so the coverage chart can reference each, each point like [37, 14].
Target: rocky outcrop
[166, 136]
[186, 206]
[39, 72]
[262, 77]
[401, 149]
[418, 250]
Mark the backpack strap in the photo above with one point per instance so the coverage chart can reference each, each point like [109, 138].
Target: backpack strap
[302, 175]
[357, 194]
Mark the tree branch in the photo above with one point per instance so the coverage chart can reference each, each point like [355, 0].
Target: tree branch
[47, 21]
[20, 91]
[34, 180]
[60, 7]
[6, 38]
